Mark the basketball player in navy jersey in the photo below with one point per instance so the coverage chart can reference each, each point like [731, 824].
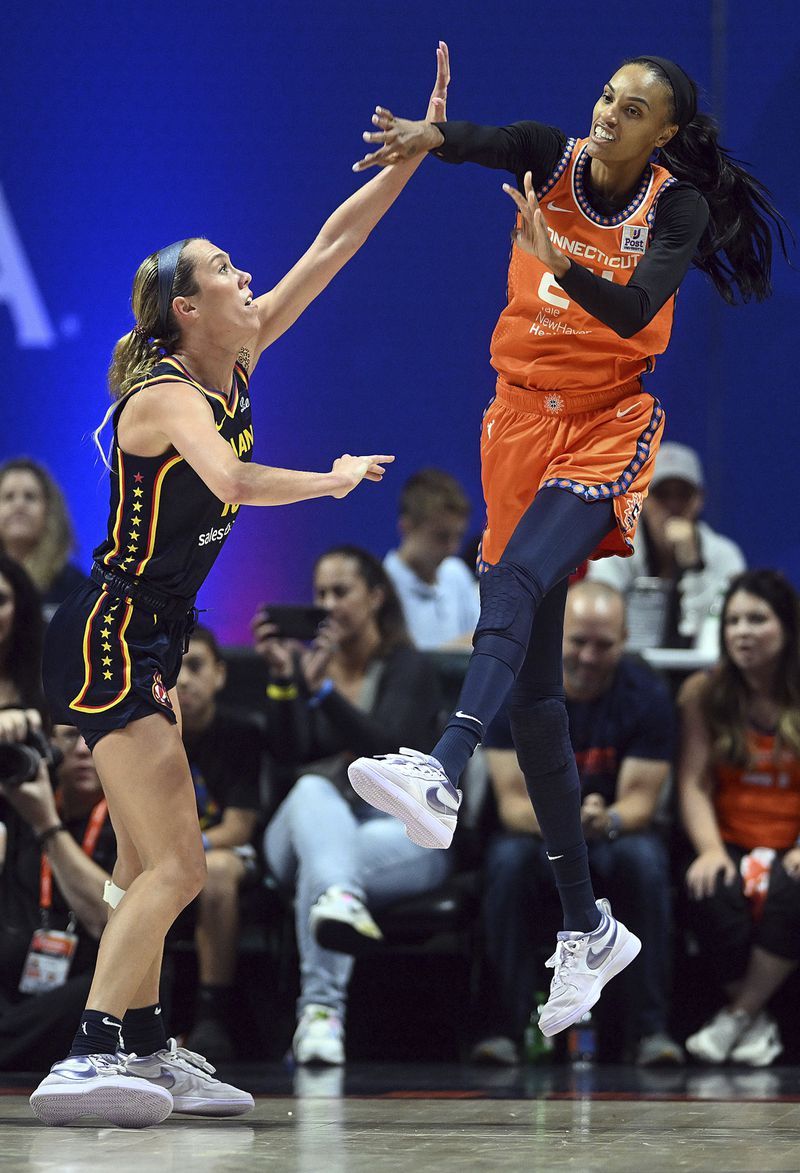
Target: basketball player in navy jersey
[179, 463]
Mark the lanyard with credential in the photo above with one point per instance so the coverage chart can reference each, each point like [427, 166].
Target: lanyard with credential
[96, 820]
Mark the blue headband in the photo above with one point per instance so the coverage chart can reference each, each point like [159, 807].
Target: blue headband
[167, 264]
[683, 90]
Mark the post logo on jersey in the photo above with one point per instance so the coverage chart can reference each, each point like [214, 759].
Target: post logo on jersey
[634, 239]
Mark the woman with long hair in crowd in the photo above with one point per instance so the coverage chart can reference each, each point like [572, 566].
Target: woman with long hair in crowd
[35, 528]
[739, 782]
[21, 634]
[360, 687]
[179, 465]
[607, 227]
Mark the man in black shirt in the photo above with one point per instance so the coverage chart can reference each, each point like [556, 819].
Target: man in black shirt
[225, 757]
[621, 724]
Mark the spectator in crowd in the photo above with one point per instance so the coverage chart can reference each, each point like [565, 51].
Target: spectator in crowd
[21, 634]
[693, 561]
[740, 801]
[621, 725]
[225, 756]
[438, 592]
[35, 529]
[60, 852]
[360, 687]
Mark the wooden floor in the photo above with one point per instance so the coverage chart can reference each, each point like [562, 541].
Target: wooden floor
[375, 1117]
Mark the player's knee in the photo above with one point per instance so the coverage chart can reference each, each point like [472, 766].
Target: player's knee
[541, 735]
[507, 604]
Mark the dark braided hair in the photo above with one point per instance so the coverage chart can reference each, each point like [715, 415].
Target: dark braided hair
[735, 250]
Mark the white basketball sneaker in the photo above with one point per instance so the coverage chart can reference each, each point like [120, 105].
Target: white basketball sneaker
[319, 1037]
[99, 1085]
[340, 921]
[583, 963]
[191, 1083]
[414, 788]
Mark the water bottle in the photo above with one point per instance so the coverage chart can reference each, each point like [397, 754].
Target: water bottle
[538, 1047]
[582, 1042]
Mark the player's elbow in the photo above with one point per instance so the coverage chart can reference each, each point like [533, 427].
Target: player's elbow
[229, 485]
[631, 326]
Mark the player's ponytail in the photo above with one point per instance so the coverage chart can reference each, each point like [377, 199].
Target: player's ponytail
[156, 331]
[736, 248]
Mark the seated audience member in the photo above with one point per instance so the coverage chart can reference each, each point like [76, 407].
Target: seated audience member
[60, 852]
[36, 531]
[740, 801]
[359, 688]
[621, 724]
[693, 561]
[21, 635]
[225, 757]
[438, 593]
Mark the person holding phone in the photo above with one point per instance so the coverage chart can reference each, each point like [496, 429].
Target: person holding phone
[180, 470]
[358, 687]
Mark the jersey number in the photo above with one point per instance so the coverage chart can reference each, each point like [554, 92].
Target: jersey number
[548, 287]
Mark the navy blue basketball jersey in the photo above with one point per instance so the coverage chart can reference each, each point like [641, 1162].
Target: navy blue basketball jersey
[165, 526]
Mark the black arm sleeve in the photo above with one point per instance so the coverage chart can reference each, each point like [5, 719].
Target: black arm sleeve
[520, 147]
[406, 709]
[680, 220]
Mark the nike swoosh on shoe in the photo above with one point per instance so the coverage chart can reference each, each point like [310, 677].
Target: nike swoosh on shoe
[596, 957]
[440, 801]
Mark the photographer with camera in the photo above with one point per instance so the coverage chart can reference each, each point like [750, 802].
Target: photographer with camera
[60, 852]
[60, 848]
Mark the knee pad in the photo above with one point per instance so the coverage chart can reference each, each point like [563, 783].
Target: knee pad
[541, 736]
[507, 605]
[112, 893]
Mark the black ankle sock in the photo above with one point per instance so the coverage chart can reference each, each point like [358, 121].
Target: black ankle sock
[143, 1030]
[98, 1034]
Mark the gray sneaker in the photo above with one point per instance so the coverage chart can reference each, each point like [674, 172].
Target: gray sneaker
[715, 1041]
[659, 1050]
[414, 788]
[498, 1051]
[760, 1044]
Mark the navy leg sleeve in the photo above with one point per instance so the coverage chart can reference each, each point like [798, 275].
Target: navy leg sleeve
[556, 533]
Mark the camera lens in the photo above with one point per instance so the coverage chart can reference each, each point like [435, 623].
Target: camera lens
[18, 763]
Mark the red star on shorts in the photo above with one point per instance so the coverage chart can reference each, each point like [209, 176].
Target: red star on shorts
[138, 478]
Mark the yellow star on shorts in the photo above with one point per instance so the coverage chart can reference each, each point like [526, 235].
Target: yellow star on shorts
[106, 676]
[108, 619]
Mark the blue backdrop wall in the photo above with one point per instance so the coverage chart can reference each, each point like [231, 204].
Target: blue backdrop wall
[130, 125]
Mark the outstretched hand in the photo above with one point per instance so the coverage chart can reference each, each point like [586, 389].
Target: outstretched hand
[403, 138]
[531, 235]
[357, 469]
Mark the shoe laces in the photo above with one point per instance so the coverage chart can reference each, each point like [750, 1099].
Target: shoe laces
[110, 1064]
[182, 1055]
[563, 959]
[418, 763]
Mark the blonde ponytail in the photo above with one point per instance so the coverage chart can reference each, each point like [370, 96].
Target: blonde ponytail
[142, 348]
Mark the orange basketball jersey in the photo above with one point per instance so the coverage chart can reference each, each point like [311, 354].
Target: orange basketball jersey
[544, 340]
[759, 805]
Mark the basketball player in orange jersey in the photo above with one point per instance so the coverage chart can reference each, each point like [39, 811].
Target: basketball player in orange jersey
[604, 235]
[181, 443]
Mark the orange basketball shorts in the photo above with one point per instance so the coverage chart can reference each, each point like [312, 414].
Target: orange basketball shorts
[600, 445]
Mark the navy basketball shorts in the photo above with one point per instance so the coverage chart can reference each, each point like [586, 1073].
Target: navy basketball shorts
[107, 662]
